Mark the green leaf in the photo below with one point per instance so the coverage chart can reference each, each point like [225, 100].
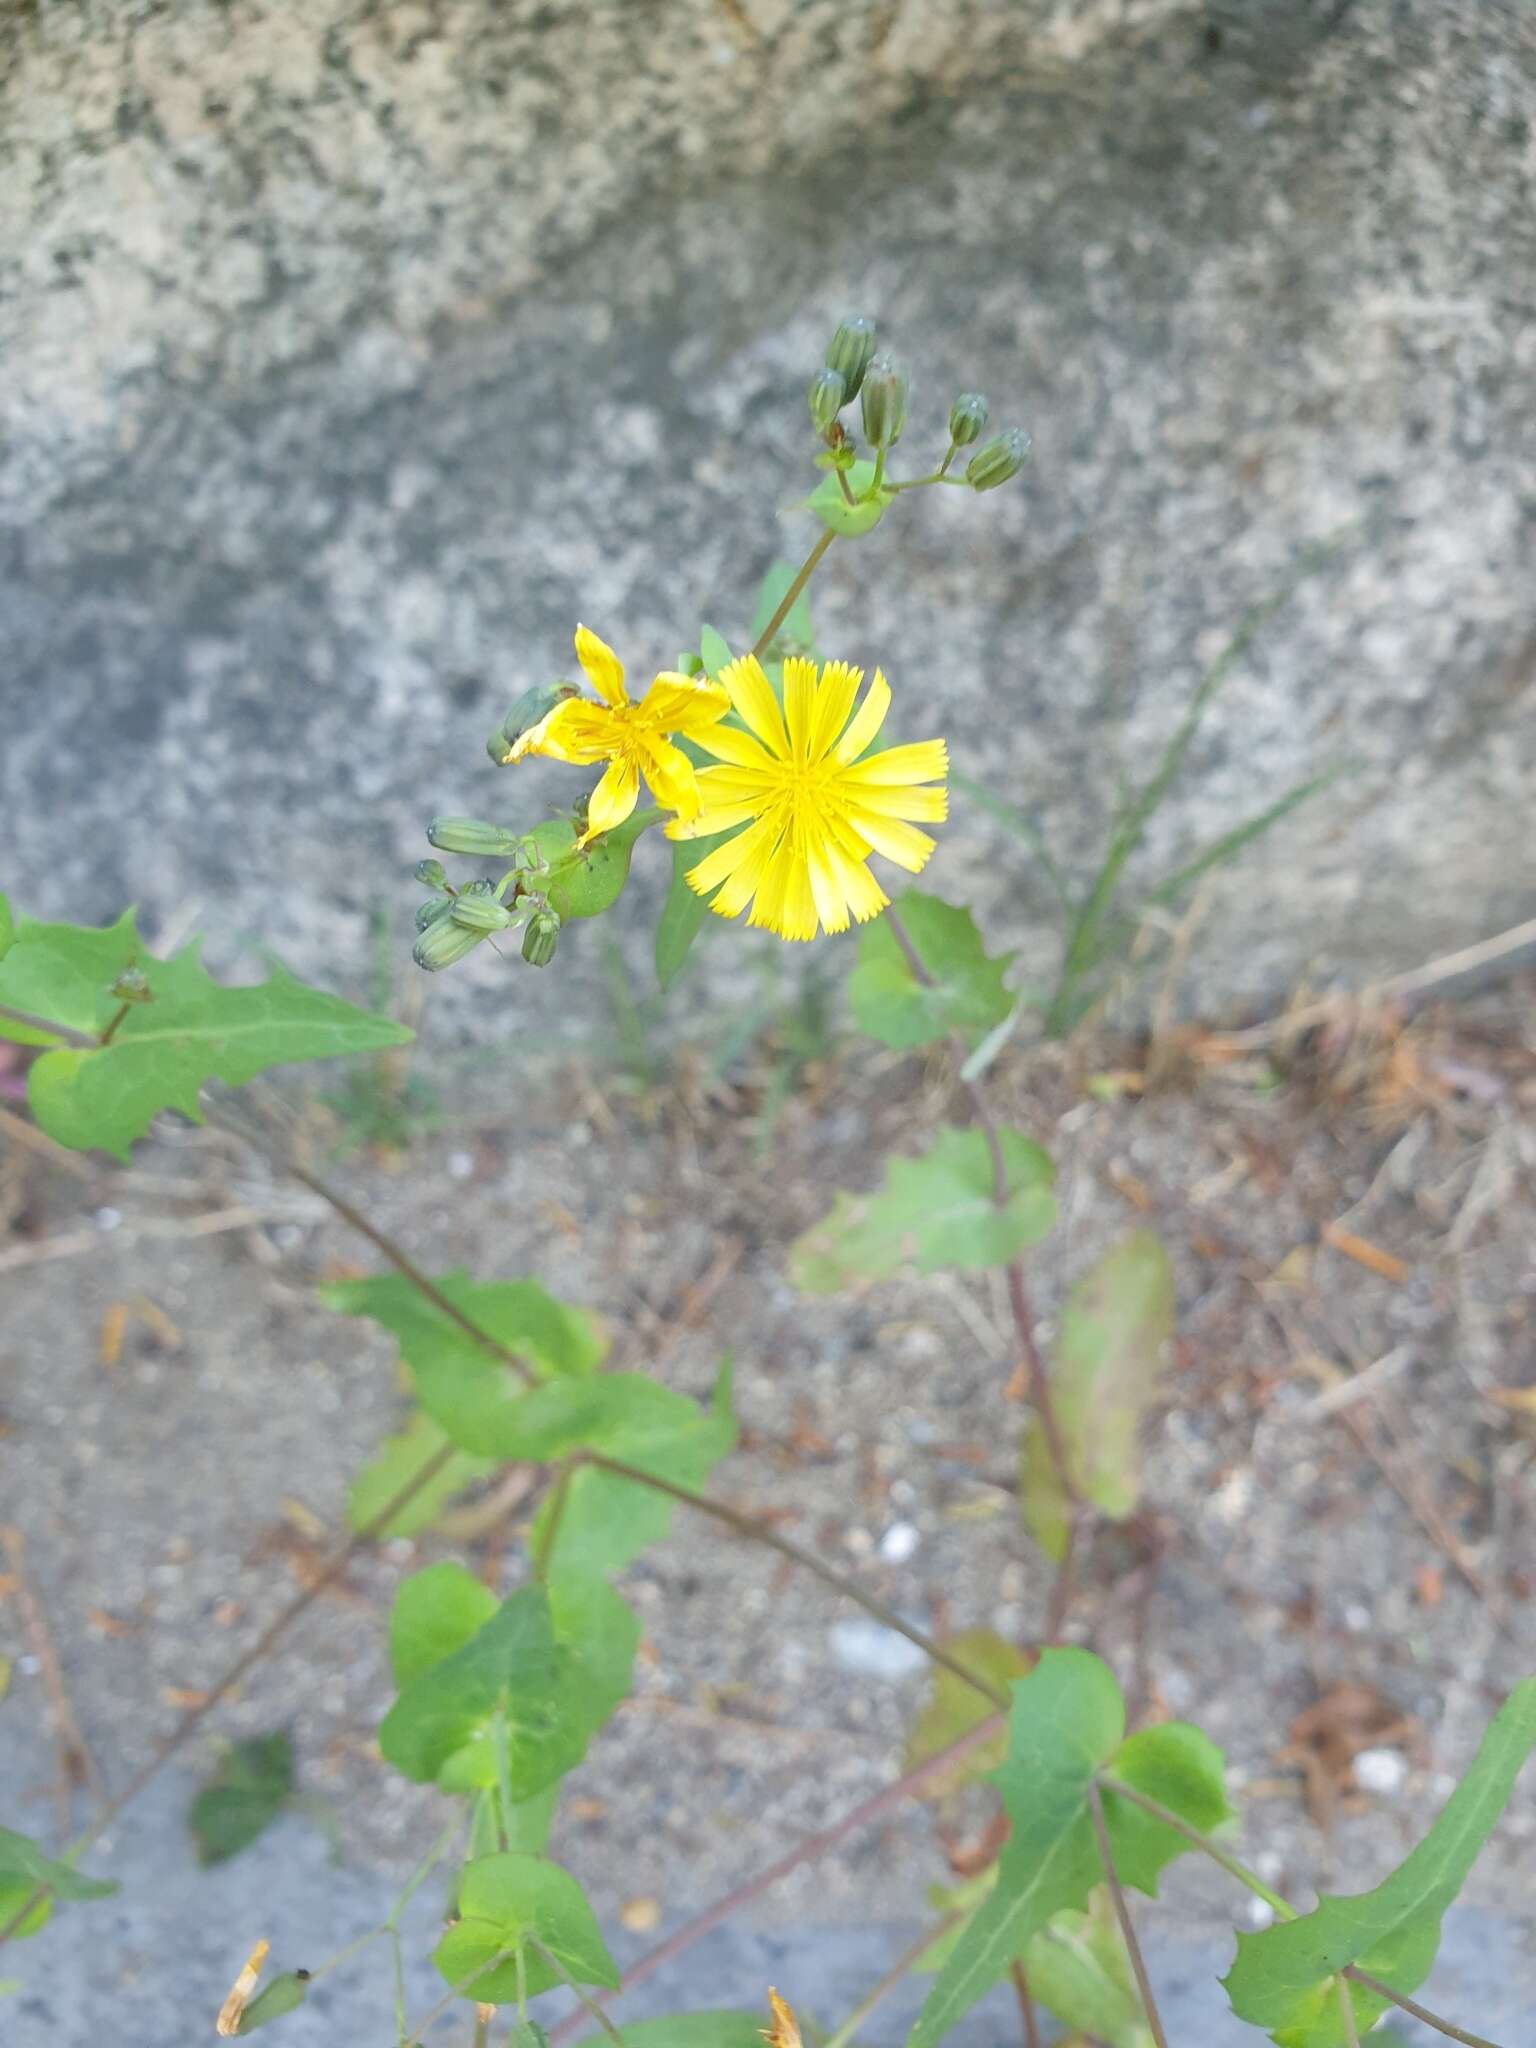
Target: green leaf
[714, 651]
[585, 883]
[684, 913]
[697, 2030]
[607, 1520]
[188, 1030]
[285, 1994]
[463, 1387]
[436, 1612]
[834, 511]
[542, 1674]
[247, 1792]
[387, 1473]
[1067, 1721]
[23, 1867]
[967, 993]
[1109, 1354]
[935, 1211]
[954, 1708]
[1078, 1969]
[797, 629]
[1283, 1978]
[503, 1901]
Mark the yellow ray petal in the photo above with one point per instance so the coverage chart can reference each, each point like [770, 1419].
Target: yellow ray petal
[605, 672]
[768, 910]
[834, 700]
[672, 780]
[720, 865]
[612, 800]
[708, 822]
[898, 841]
[830, 898]
[729, 743]
[797, 918]
[910, 801]
[865, 897]
[574, 731]
[866, 721]
[799, 703]
[921, 761]
[737, 786]
[737, 890]
[686, 704]
[752, 695]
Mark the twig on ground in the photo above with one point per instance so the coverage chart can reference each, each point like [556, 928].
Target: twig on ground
[76, 1764]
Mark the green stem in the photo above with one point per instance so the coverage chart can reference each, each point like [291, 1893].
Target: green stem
[1417, 2011]
[544, 1548]
[879, 476]
[786, 603]
[593, 2009]
[110, 1033]
[65, 1034]
[762, 1532]
[842, 485]
[502, 1743]
[886, 1984]
[1347, 2013]
[1281, 1908]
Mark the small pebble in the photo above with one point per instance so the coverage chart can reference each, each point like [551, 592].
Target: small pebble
[460, 1165]
[1381, 1770]
[865, 1646]
[1260, 1913]
[898, 1543]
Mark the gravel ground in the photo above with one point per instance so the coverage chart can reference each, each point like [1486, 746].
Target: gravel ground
[1293, 1542]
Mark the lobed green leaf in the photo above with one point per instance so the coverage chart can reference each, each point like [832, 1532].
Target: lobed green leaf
[504, 1902]
[436, 1612]
[934, 1212]
[24, 1867]
[188, 1030]
[1283, 1978]
[965, 991]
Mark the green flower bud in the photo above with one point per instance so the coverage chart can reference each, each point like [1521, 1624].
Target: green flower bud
[434, 908]
[431, 874]
[967, 418]
[541, 938]
[132, 986]
[826, 398]
[884, 400]
[481, 912]
[526, 713]
[1002, 458]
[443, 943]
[470, 835]
[849, 351]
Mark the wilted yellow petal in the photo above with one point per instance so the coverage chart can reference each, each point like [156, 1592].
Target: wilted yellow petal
[232, 2011]
[785, 2031]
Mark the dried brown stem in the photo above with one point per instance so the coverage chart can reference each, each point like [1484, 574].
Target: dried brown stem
[1027, 2016]
[76, 1764]
[1123, 1915]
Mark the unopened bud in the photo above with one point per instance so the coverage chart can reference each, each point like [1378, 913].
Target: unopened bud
[826, 398]
[967, 418]
[443, 943]
[470, 835]
[884, 400]
[434, 908]
[541, 938]
[431, 874]
[849, 351]
[1001, 459]
[132, 986]
[481, 913]
[530, 708]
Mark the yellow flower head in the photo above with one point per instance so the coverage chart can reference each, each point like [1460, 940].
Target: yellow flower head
[634, 739]
[812, 810]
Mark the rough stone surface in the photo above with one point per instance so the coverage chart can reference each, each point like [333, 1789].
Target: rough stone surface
[332, 403]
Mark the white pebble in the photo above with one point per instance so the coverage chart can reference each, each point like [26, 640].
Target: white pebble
[861, 1645]
[1381, 1770]
[460, 1165]
[108, 1219]
[898, 1543]
[1260, 1913]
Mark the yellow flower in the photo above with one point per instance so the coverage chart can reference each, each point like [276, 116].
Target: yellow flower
[813, 811]
[632, 738]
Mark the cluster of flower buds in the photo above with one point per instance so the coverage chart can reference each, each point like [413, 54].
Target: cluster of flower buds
[452, 922]
[856, 368]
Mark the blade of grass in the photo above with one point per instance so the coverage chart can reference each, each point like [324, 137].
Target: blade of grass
[1084, 943]
[1019, 824]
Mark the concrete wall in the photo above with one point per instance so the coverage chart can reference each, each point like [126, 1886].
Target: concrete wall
[354, 351]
